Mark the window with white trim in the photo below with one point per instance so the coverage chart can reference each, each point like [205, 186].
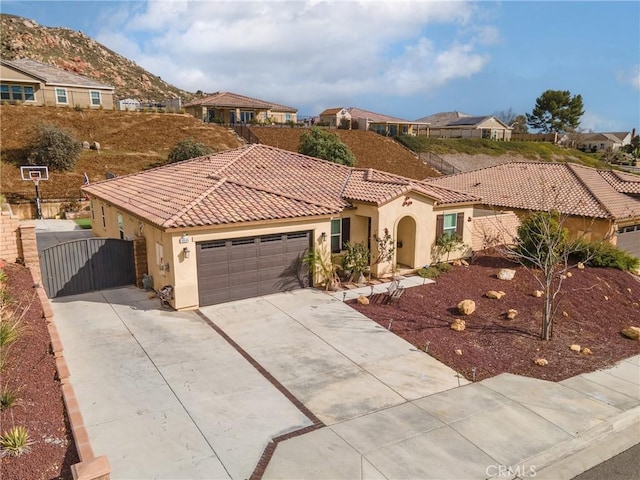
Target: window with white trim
[61, 95]
[96, 100]
[104, 218]
[450, 224]
[340, 233]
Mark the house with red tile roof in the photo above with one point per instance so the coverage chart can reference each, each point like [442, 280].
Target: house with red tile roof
[359, 119]
[599, 204]
[234, 224]
[230, 108]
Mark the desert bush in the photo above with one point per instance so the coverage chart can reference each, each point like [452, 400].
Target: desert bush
[15, 442]
[443, 267]
[188, 148]
[8, 398]
[327, 146]
[603, 254]
[54, 147]
[429, 272]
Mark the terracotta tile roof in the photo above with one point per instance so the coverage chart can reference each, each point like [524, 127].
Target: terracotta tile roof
[51, 75]
[233, 100]
[569, 188]
[373, 116]
[623, 182]
[254, 182]
[331, 111]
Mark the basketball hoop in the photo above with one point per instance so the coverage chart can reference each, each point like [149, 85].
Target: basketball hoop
[35, 173]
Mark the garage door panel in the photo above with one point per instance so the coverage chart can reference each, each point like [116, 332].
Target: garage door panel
[242, 268]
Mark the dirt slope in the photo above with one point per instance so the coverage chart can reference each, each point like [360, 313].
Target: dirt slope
[371, 150]
[129, 141]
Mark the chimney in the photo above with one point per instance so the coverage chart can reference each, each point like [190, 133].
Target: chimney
[633, 133]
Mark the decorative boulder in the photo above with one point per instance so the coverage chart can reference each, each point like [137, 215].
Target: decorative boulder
[586, 351]
[511, 313]
[85, 145]
[466, 307]
[575, 348]
[495, 295]
[541, 361]
[506, 274]
[632, 332]
[580, 266]
[568, 274]
[362, 300]
[538, 293]
[95, 146]
[458, 325]
[458, 351]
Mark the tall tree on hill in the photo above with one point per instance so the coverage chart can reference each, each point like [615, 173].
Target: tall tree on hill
[556, 111]
[326, 145]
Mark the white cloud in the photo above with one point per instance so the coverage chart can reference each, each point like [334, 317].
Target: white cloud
[631, 76]
[595, 122]
[300, 52]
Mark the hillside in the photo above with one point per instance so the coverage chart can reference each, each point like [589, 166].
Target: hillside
[371, 150]
[76, 52]
[129, 141]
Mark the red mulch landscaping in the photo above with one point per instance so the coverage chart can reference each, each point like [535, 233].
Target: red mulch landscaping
[595, 305]
[31, 368]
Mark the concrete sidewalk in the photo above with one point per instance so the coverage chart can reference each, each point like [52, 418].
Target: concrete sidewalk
[505, 427]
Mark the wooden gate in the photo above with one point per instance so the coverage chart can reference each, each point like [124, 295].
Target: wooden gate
[86, 265]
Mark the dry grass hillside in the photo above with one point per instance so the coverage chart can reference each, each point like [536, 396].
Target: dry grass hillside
[129, 141]
[371, 150]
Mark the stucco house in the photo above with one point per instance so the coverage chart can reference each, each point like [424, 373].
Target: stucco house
[603, 142]
[598, 204]
[30, 82]
[357, 118]
[462, 125]
[234, 224]
[230, 108]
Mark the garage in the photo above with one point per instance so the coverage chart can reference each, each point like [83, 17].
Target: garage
[629, 239]
[233, 269]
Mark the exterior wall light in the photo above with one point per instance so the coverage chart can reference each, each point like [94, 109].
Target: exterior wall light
[323, 236]
[186, 252]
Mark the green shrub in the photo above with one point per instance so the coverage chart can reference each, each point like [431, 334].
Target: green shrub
[15, 442]
[327, 146]
[429, 272]
[603, 254]
[188, 148]
[443, 267]
[8, 398]
[54, 147]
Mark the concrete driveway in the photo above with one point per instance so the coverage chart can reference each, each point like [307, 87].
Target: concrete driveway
[164, 395]
[299, 385]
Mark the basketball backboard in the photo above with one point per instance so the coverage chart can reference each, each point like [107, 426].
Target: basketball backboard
[34, 173]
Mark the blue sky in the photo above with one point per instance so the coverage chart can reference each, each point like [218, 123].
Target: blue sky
[406, 59]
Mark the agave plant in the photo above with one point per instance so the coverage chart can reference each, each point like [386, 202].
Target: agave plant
[15, 442]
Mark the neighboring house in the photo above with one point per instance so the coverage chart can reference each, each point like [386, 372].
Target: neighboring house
[599, 204]
[235, 224]
[129, 104]
[231, 108]
[462, 125]
[603, 142]
[34, 83]
[358, 119]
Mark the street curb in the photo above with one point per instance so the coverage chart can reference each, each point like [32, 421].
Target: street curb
[575, 456]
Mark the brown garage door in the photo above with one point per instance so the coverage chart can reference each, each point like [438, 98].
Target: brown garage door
[248, 267]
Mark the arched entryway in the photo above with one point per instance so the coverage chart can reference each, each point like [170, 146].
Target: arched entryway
[406, 242]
